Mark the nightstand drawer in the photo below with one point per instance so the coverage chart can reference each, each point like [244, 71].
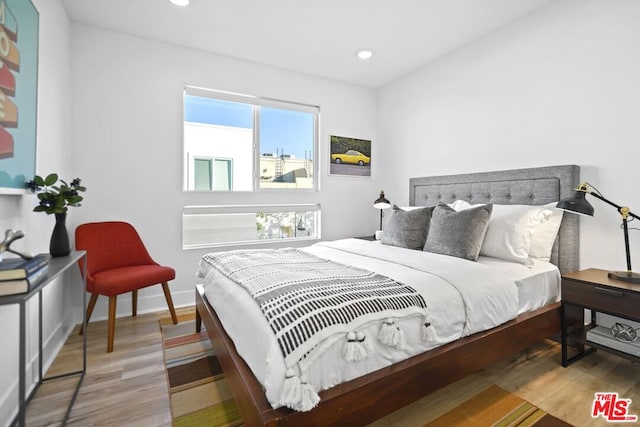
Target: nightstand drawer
[603, 298]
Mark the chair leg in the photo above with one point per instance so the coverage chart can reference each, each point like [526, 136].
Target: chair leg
[167, 296]
[134, 303]
[112, 322]
[90, 307]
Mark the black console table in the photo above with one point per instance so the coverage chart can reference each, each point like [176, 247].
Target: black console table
[57, 266]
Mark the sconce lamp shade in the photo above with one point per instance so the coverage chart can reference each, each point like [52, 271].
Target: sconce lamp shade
[382, 202]
[578, 203]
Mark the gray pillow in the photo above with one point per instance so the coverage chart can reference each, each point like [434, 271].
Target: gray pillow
[458, 233]
[407, 229]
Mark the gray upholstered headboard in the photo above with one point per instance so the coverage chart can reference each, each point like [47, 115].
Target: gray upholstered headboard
[534, 186]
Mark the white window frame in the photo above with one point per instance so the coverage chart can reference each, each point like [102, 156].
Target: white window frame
[198, 210]
[265, 102]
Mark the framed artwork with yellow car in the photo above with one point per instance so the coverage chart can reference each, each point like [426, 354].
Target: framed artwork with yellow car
[350, 156]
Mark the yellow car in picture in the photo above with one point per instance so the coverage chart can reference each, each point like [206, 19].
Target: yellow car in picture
[351, 156]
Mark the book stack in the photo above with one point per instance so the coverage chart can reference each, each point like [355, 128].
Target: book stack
[18, 276]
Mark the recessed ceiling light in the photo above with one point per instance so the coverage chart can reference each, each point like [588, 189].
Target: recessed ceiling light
[364, 54]
[180, 2]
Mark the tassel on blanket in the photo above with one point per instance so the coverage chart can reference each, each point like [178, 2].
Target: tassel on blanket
[309, 398]
[391, 335]
[428, 334]
[291, 393]
[356, 348]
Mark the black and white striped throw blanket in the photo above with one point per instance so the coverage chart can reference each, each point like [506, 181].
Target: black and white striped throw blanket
[310, 303]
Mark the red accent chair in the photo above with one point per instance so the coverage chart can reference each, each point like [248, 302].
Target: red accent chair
[118, 262]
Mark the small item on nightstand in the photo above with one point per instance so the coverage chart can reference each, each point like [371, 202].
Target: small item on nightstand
[624, 333]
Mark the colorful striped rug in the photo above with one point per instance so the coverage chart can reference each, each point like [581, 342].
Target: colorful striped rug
[197, 388]
[200, 396]
[494, 406]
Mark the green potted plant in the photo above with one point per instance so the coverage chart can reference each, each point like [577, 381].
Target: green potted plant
[55, 196]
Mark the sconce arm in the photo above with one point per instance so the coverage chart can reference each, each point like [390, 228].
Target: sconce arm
[623, 210]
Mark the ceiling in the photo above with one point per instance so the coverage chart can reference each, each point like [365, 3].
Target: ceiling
[314, 37]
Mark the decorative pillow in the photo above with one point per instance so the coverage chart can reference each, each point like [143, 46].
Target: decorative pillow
[510, 231]
[458, 233]
[545, 232]
[407, 229]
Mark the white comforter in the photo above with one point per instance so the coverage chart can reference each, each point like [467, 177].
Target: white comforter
[463, 297]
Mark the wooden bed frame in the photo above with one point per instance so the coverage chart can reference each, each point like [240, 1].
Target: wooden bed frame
[379, 393]
[372, 396]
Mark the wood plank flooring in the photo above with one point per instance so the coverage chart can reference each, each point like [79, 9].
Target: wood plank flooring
[128, 387]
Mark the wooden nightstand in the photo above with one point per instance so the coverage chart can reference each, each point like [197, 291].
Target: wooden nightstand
[593, 290]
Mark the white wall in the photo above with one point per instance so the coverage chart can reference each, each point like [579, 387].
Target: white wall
[559, 87]
[53, 155]
[127, 133]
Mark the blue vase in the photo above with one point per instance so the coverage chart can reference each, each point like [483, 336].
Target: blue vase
[59, 245]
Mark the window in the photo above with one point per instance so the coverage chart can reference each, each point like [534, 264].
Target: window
[202, 174]
[222, 175]
[209, 174]
[205, 226]
[242, 143]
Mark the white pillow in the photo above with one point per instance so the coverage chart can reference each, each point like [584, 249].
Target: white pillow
[411, 208]
[545, 232]
[457, 205]
[460, 205]
[510, 231]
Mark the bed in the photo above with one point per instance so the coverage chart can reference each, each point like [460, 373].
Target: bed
[371, 396]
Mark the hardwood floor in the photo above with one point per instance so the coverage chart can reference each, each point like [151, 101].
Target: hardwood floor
[125, 388]
[128, 387]
[537, 376]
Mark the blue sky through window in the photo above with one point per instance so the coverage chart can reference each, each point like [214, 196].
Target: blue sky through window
[215, 112]
[281, 131]
[286, 132]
